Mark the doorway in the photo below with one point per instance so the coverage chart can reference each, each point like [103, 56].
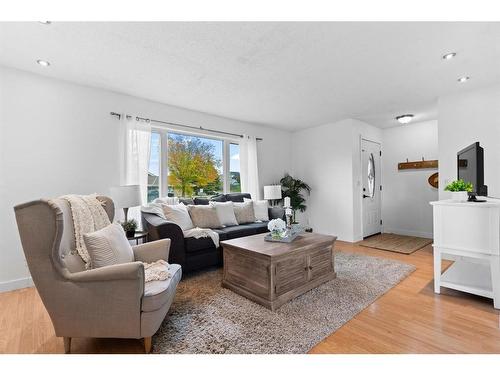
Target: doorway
[371, 187]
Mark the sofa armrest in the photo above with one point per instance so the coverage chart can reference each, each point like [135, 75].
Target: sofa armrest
[152, 251]
[123, 271]
[159, 229]
[276, 213]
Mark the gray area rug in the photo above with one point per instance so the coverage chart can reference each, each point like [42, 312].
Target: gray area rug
[206, 318]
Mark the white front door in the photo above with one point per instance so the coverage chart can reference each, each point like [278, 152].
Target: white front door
[370, 172]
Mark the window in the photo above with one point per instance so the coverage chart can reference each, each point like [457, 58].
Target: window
[188, 165]
[154, 168]
[234, 168]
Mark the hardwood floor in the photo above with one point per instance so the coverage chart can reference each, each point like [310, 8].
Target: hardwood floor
[410, 318]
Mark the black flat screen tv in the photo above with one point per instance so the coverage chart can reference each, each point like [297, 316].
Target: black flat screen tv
[470, 166]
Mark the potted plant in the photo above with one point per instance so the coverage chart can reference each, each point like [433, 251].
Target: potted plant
[130, 226]
[459, 190]
[294, 188]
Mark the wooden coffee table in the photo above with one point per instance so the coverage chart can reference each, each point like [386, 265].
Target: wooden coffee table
[272, 273]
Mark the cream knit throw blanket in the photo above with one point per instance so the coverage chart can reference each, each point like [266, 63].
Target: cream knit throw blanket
[156, 271]
[88, 216]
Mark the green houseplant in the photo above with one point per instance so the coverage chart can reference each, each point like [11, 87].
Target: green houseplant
[294, 188]
[130, 226]
[459, 189]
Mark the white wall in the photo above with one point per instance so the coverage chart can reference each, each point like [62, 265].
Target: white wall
[406, 194]
[466, 118]
[59, 138]
[328, 158]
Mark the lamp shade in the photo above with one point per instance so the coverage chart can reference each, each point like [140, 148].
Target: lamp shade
[272, 192]
[126, 196]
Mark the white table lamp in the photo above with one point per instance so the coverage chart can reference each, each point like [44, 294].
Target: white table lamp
[126, 196]
[272, 192]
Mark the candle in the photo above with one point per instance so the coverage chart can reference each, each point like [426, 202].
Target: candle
[287, 202]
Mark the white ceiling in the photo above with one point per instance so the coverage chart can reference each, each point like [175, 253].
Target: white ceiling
[287, 75]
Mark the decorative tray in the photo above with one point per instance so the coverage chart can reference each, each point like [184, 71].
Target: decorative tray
[287, 239]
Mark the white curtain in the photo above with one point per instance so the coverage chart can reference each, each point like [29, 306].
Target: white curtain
[137, 138]
[249, 168]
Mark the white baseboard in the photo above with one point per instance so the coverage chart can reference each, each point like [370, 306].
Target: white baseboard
[6, 286]
[405, 232]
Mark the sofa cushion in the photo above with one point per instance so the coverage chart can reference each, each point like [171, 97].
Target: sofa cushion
[186, 201]
[219, 198]
[244, 212]
[193, 245]
[237, 197]
[276, 213]
[259, 227]
[178, 214]
[260, 209]
[222, 234]
[201, 201]
[157, 293]
[225, 213]
[108, 246]
[204, 216]
[239, 231]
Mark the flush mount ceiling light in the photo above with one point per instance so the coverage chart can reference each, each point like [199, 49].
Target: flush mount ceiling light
[404, 119]
[449, 56]
[42, 63]
[463, 79]
[45, 22]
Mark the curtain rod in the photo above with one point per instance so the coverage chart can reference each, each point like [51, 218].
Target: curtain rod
[181, 125]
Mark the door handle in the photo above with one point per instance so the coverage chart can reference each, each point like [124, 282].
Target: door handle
[366, 196]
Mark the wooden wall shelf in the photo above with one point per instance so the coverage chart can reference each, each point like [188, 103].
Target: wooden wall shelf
[424, 164]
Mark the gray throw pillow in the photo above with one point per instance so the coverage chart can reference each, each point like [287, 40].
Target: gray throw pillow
[204, 216]
[108, 246]
[244, 212]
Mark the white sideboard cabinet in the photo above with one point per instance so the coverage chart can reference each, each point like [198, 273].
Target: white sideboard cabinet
[469, 234]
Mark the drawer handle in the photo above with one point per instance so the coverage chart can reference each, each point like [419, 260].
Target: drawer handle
[310, 268]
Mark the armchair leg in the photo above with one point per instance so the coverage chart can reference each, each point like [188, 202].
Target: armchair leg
[67, 344]
[147, 345]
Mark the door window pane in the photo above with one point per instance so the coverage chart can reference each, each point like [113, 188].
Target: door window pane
[234, 168]
[194, 165]
[154, 168]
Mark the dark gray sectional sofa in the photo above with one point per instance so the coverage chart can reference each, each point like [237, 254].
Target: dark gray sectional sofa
[194, 254]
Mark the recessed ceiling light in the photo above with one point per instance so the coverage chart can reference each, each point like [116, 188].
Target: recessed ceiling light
[404, 119]
[463, 79]
[45, 22]
[42, 62]
[449, 56]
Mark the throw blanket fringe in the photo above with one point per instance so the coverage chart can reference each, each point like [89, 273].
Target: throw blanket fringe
[88, 216]
[203, 232]
[156, 271]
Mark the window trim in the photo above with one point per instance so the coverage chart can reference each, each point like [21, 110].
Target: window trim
[164, 132]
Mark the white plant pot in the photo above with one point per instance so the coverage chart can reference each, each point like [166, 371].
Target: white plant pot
[459, 196]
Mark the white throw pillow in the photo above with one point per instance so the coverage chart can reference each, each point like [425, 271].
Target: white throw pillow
[108, 246]
[260, 209]
[154, 208]
[225, 213]
[167, 200]
[179, 214]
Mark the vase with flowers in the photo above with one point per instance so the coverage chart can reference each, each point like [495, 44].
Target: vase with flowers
[277, 227]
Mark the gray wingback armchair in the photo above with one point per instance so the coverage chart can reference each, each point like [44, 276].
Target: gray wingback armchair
[111, 301]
